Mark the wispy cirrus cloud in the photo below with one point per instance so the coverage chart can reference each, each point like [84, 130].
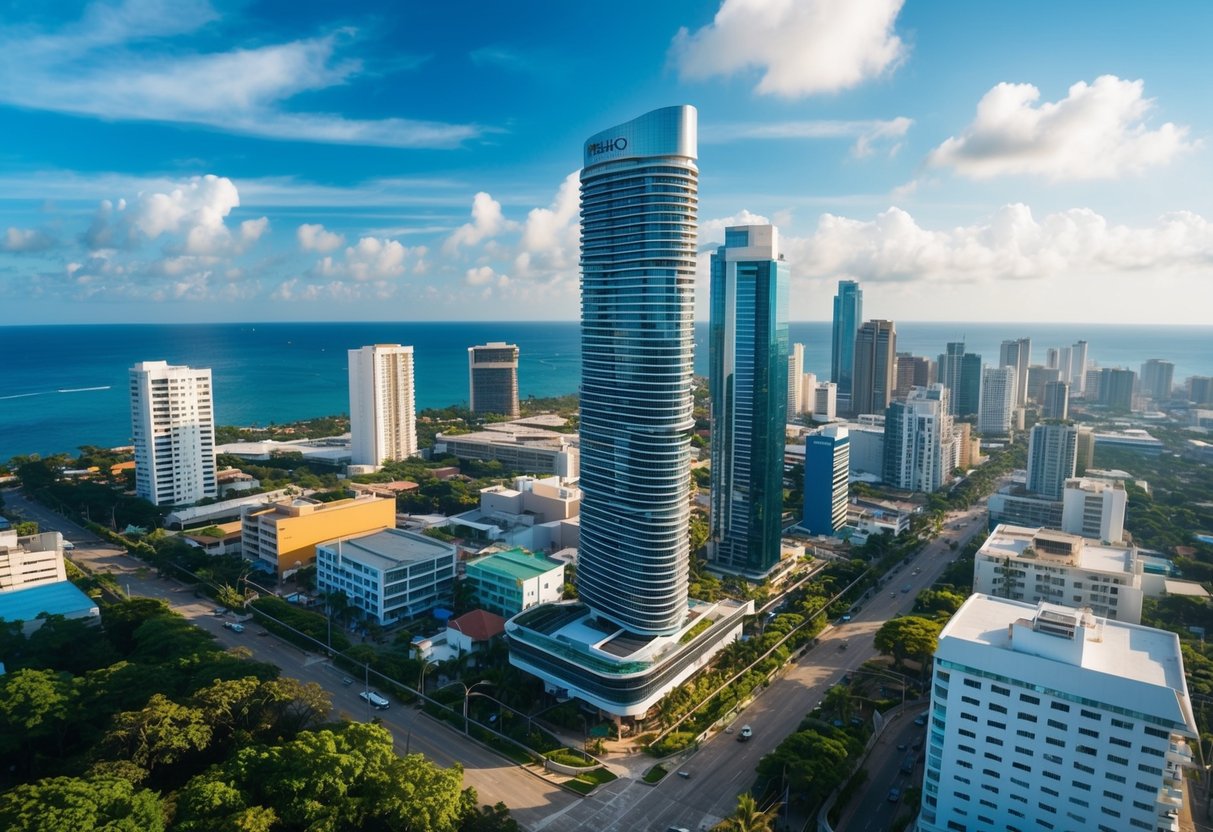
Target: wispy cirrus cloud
[870, 135]
[1097, 131]
[93, 68]
[801, 47]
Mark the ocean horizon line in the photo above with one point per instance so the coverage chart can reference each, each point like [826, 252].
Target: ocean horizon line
[481, 322]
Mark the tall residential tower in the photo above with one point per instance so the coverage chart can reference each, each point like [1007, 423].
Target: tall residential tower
[383, 419]
[848, 313]
[173, 427]
[748, 361]
[493, 379]
[875, 370]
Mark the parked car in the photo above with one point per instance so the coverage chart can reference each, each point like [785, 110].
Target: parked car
[894, 794]
[233, 626]
[745, 733]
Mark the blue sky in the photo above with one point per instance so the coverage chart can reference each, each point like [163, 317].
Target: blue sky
[212, 161]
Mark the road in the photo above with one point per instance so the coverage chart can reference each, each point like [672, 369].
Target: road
[870, 809]
[495, 779]
[724, 767]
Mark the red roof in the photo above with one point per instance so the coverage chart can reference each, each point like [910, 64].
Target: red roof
[478, 625]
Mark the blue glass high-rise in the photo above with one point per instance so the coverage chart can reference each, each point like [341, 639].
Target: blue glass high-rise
[639, 205]
[748, 374]
[848, 314]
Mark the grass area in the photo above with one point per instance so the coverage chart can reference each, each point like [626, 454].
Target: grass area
[655, 774]
[590, 780]
[699, 627]
[569, 757]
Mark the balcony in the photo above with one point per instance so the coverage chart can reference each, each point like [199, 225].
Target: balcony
[1179, 753]
[1170, 798]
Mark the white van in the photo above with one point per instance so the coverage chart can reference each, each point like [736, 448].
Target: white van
[376, 701]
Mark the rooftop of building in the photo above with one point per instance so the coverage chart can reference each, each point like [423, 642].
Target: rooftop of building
[517, 563]
[390, 548]
[478, 625]
[1130, 653]
[58, 598]
[42, 542]
[1051, 547]
[512, 433]
[228, 530]
[300, 506]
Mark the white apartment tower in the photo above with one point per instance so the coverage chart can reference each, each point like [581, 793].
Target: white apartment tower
[1017, 354]
[383, 422]
[919, 444]
[796, 381]
[1094, 508]
[173, 428]
[998, 386]
[1052, 457]
[1044, 717]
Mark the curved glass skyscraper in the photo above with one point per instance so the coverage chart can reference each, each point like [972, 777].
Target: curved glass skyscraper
[639, 199]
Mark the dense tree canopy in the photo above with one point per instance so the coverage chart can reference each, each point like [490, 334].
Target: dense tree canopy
[910, 636]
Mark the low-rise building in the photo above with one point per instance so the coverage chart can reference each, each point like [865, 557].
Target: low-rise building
[509, 582]
[1044, 717]
[390, 575]
[1094, 508]
[518, 447]
[283, 536]
[233, 481]
[32, 560]
[471, 631]
[1137, 440]
[55, 598]
[223, 539]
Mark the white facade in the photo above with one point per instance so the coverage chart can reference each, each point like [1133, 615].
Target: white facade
[1032, 565]
[1018, 355]
[919, 444]
[391, 576]
[998, 386]
[796, 380]
[1052, 458]
[1044, 717]
[1094, 508]
[825, 402]
[173, 430]
[30, 561]
[383, 417]
[808, 392]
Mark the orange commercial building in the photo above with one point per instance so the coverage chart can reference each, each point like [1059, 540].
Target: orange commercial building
[285, 534]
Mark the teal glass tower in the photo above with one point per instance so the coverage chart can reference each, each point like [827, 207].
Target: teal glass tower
[639, 206]
[848, 315]
[748, 360]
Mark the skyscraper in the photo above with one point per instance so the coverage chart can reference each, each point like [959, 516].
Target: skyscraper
[1078, 368]
[1056, 401]
[173, 428]
[968, 396]
[795, 377]
[949, 372]
[1017, 354]
[493, 379]
[1200, 389]
[383, 419]
[848, 312]
[997, 401]
[873, 380]
[1116, 388]
[919, 445]
[1052, 457]
[912, 371]
[639, 202]
[748, 360]
[827, 460]
[1157, 379]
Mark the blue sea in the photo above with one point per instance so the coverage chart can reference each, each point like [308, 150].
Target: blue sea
[66, 386]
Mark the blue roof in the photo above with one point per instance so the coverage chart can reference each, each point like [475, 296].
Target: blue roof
[59, 598]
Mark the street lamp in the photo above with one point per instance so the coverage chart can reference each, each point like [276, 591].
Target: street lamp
[421, 675]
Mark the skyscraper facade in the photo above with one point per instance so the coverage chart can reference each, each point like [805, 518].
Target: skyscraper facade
[748, 360]
[639, 206]
[1017, 354]
[848, 313]
[383, 418]
[1157, 379]
[1116, 388]
[912, 371]
[1200, 389]
[949, 371]
[968, 395]
[997, 401]
[1052, 457]
[1078, 368]
[873, 380]
[493, 379]
[173, 429]
[919, 445]
[796, 392]
[827, 460]
[1056, 403]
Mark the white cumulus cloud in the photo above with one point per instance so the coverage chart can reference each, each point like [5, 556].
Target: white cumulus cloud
[801, 47]
[551, 236]
[487, 222]
[1098, 131]
[25, 240]
[314, 237]
[370, 259]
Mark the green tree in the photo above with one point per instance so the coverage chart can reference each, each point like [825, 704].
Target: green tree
[71, 804]
[813, 762]
[748, 818]
[487, 818]
[34, 709]
[910, 636]
[161, 734]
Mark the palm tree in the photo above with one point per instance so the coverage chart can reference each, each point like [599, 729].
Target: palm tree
[747, 818]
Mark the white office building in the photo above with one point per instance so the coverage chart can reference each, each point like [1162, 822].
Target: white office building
[825, 401]
[1094, 508]
[173, 430]
[796, 380]
[392, 575]
[1049, 718]
[998, 386]
[1027, 564]
[919, 444]
[32, 560]
[383, 417]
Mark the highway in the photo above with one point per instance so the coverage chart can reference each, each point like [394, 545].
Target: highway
[495, 779]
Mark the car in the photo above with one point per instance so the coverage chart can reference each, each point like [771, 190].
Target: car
[233, 626]
[745, 733]
[846, 616]
[685, 775]
[677, 829]
[894, 794]
[892, 594]
[842, 645]
[906, 588]
[375, 700]
[921, 719]
[68, 545]
[901, 746]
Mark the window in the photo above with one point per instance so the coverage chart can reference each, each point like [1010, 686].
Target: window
[1002, 726]
[1021, 767]
[1031, 700]
[998, 709]
[994, 741]
[1001, 691]
[1062, 744]
[1087, 732]
[1153, 752]
[1026, 717]
[1120, 723]
[1091, 715]
[973, 683]
[993, 757]
[1150, 769]
[1053, 723]
[1052, 775]
[1077, 801]
[1025, 734]
[1115, 778]
[1120, 742]
[1120, 761]
[1078, 784]
[969, 717]
[965, 732]
[1027, 752]
[969, 700]
[1060, 706]
[1111, 795]
[1081, 767]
